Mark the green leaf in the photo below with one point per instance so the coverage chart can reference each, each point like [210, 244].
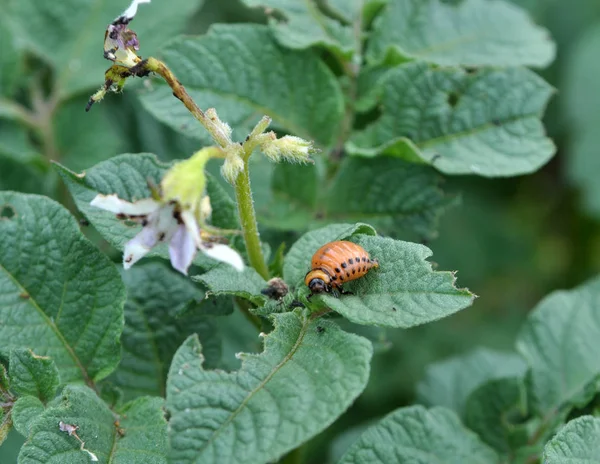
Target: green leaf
[69, 35]
[61, 297]
[88, 139]
[295, 89]
[153, 332]
[143, 439]
[403, 292]
[33, 375]
[577, 442]
[450, 383]
[293, 199]
[485, 123]
[558, 341]
[391, 194]
[224, 209]
[305, 378]
[25, 412]
[582, 97]
[419, 436]
[303, 25]
[224, 280]
[493, 410]
[5, 425]
[472, 33]
[297, 261]
[4, 380]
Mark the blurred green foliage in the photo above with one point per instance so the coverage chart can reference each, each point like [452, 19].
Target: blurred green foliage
[512, 240]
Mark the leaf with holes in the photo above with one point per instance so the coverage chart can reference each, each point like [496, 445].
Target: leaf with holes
[297, 261]
[153, 330]
[485, 123]
[304, 25]
[33, 375]
[402, 292]
[473, 33]
[575, 443]
[59, 296]
[69, 34]
[295, 89]
[139, 437]
[558, 342]
[420, 436]
[309, 373]
[449, 383]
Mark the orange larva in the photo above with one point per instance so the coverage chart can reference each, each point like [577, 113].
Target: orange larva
[336, 263]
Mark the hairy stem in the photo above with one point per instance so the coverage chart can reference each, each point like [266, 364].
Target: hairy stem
[243, 195]
[160, 68]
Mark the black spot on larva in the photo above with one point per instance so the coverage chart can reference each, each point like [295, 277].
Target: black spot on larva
[353, 271]
[350, 261]
[364, 268]
[364, 258]
[334, 277]
[338, 270]
[347, 274]
[344, 265]
[341, 277]
[320, 329]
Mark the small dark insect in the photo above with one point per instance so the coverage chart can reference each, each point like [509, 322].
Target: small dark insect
[24, 295]
[320, 329]
[394, 309]
[335, 263]
[296, 304]
[276, 290]
[84, 222]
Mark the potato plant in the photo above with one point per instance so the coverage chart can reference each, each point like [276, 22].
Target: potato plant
[158, 219]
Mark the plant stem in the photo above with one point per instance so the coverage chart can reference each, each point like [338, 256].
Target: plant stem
[243, 195]
[157, 66]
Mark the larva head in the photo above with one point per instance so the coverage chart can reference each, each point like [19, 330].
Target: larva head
[318, 281]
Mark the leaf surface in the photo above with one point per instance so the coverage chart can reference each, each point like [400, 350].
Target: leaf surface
[577, 442]
[33, 375]
[59, 296]
[485, 123]
[305, 378]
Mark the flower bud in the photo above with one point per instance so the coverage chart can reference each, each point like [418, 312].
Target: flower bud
[222, 126]
[289, 147]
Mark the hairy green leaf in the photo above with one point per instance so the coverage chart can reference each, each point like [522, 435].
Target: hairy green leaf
[59, 296]
[70, 34]
[303, 25]
[419, 436]
[578, 442]
[5, 425]
[305, 378]
[485, 123]
[492, 411]
[472, 33]
[449, 383]
[558, 341]
[11, 62]
[392, 194]
[297, 261]
[33, 375]
[295, 89]
[224, 280]
[25, 412]
[403, 292]
[153, 332]
[139, 438]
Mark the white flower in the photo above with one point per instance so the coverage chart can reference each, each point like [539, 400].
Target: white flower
[165, 222]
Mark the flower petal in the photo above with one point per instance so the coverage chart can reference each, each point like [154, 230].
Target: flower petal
[224, 254]
[131, 11]
[139, 246]
[191, 225]
[115, 205]
[182, 249]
